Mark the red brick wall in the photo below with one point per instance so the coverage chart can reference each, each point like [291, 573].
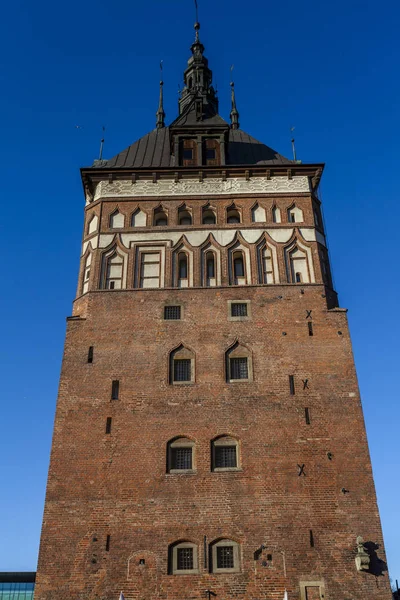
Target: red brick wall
[117, 484]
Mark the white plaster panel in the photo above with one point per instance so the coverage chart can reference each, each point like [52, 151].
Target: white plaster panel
[258, 214]
[252, 235]
[105, 240]
[280, 235]
[308, 234]
[93, 224]
[196, 238]
[93, 242]
[193, 187]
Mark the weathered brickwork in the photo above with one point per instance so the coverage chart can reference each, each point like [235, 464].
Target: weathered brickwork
[117, 484]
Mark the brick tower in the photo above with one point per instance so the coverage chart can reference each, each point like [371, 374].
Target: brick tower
[209, 439]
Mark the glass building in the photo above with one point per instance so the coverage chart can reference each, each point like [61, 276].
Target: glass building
[17, 586]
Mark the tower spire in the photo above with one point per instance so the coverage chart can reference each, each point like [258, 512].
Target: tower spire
[160, 114]
[234, 111]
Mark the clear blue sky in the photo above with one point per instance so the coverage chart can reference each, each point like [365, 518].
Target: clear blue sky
[329, 68]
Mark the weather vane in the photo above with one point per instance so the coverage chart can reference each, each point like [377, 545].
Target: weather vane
[293, 144]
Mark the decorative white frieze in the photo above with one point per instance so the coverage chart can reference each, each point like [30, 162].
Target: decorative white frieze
[193, 187]
[197, 238]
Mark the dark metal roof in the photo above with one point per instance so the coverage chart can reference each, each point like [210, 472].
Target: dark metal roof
[154, 151]
[18, 577]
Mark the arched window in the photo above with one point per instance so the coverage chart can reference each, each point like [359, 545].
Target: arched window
[117, 220]
[225, 454]
[86, 273]
[232, 215]
[266, 265]
[225, 557]
[258, 214]
[183, 558]
[210, 275]
[160, 217]
[298, 266]
[208, 216]
[113, 271]
[181, 366]
[182, 270]
[138, 219]
[238, 364]
[295, 214]
[238, 268]
[184, 216]
[180, 455]
[276, 214]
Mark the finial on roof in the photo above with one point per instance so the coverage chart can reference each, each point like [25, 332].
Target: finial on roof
[234, 111]
[197, 24]
[160, 114]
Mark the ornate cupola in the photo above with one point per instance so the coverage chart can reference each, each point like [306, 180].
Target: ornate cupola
[198, 79]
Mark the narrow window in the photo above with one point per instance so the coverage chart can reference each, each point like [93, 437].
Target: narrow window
[233, 216]
[307, 416]
[292, 217]
[310, 328]
[239, 309]
[183, 267]
[184, 216]
[90, 354]
[238, 368]
[208, 216]
[298, 277]
[311, 539]
[238, 265]
[115, 390]
[210, 266]
[182, 369]
[108, 540]
[160, 218]
[291, 385]
[113, 270]
[172, 313]
[108, 425]
[210, 153]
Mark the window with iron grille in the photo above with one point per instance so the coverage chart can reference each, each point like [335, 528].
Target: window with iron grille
[185, 559]
[225, 557]
[239, 309]
[181, 458]
[182, 369]
[225, 457]
[172, 313]
[238, 368]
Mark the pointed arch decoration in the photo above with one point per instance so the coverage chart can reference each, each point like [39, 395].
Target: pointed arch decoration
[117, 219]
[239, 262]
[210, 263]
[114, 269]
[138, 218]
[299, 263]
[276, 214]
[267, 261]
[294, 214]
[258, 214]
[183, 264]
